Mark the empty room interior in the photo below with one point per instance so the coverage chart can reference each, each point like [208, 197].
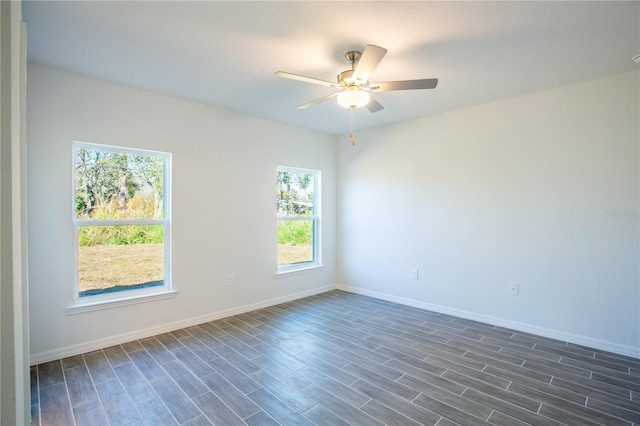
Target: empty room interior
[330, 213]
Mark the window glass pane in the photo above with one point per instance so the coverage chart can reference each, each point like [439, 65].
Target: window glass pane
[118, 185]
[295, 193]
[119, 258]
[295, 241]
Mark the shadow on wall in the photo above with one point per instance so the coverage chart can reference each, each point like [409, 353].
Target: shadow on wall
[116, 288]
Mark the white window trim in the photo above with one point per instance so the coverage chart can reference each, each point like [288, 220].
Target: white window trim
[129, 297]
[316, 264]
[285, 272]
[133, 298]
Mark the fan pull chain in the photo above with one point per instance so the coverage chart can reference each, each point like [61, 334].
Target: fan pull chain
[353, 121]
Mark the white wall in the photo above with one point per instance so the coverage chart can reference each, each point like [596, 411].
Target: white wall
[509, 191]
[224, 167]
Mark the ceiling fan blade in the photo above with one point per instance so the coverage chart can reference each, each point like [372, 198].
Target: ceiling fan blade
[387, 86]
[317, 101]
[305, 79]
[373, 105]
[368, 62]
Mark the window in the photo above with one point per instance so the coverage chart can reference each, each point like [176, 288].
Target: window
[298, 216]
[121, 222]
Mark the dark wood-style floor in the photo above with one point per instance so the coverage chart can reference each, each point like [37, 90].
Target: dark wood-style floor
[337, 359]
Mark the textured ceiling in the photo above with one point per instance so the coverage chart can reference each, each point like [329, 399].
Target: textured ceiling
[225, 53]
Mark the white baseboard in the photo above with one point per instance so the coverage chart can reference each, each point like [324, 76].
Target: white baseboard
[502, 322]
[96, 344]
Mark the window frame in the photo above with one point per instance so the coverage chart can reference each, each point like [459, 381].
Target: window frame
[124, 297]
[316, 263]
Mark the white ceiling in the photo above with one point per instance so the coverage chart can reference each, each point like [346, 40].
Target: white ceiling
[225, 53]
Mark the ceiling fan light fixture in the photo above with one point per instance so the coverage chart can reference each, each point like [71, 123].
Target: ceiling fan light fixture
[353, 98]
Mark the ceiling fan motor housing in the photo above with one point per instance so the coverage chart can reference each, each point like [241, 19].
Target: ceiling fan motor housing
[344, 78]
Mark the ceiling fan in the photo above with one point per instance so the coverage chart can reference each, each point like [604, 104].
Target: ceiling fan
[354, 83]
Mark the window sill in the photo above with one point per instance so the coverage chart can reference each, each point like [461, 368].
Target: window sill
[301, 270]
[81, 308]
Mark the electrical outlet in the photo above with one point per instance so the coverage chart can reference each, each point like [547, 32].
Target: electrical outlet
[231, 280]
[512, 288]
[414, 273]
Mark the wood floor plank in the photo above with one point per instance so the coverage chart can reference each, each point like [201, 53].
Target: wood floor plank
[193, 362]
[203, 351]
[33, 376]
[239, 346]
[118, 407]
[230, 395]
[278, 370]
[147, 365]
[184, 378]
[261, 419]
[506, 407]
[322, 416]
[541, 386]
[386, 414]
[205, 338]
[238, 333]
[237, 359]
[178, 403]
[277, 409]
[35, 415]
[90, 414]
[80, 386]
[340, 408]
[277, 343]
[153, 412]
[169, 341]
[382, 382]
[454, 400]
[157, 350]
[198, 421]
[283, 392]
[470, 377]
[116, 355]
[134, 383]
[282, 357]
[565, 418]
[377, 367]
[99, 367]
[396, 403]
[216, 411]
[55, 407]
[334, 387]
[426, 377]
[236, 377]
[50, 373]
[615, 411]
[72, 361]
[447, 411]
[414, 362]
[132, 346]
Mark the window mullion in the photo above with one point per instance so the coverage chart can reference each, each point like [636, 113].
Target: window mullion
[117, 222]
[283, 218]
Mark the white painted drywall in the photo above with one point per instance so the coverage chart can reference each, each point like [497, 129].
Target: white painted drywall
[516, 190]
[224, 167]
[15, 407]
